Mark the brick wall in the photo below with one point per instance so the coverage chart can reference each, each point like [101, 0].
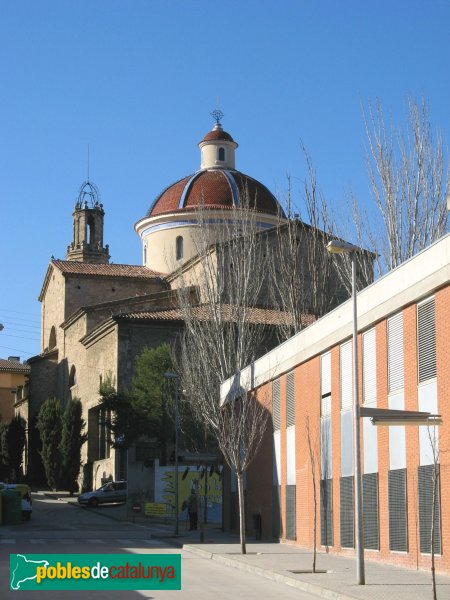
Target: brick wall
[307, 404]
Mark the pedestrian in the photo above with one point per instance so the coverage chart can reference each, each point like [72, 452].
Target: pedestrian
[192, 510]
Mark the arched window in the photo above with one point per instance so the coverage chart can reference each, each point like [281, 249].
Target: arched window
[52, 339]
[72, 376]
[145, 254]
[221, 154]
[90, 231]
[179, 247]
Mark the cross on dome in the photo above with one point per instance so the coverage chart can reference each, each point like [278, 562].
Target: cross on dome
[217, 115]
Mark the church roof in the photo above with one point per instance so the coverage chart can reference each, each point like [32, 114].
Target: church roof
[106, 270]
[13, 366]
[266, 316]
[215, 189]
[82, 269]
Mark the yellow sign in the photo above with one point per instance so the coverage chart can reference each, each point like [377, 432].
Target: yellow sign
[155, 509]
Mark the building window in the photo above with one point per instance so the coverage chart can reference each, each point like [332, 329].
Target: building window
[72, 376]
[276, 460]
[276, 405]
[426, 475]
[290, 399]
[90, 231]
[52, 340]
[221, 154]
[370, 511]
[179, 247]
[396, 376]
[290, 512]
[290, 457]
[426, 340]
[325, 416]
[145, 254]
[398, 522]
[347, 507]
[346, 376]
[326, 482]
[346, 410]
[369, 352]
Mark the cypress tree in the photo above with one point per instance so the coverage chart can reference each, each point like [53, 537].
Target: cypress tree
[72, 439]
[49, 426]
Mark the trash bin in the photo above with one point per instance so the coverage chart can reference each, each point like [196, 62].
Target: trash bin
[257, 525]
[11, 507]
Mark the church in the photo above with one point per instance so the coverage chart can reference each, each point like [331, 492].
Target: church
[97, 317]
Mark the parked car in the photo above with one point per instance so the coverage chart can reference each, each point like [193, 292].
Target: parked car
[113, 491]
[25, 491]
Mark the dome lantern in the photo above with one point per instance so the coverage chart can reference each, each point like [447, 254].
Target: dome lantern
[217, 147]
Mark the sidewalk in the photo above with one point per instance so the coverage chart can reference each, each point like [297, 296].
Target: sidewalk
[291, 565]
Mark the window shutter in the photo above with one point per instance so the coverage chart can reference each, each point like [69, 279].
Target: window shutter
[346, 376]
[426, 339]
[370, 511]
[347, 512]
[425, 482]
[290, 512]
[369, 367]
[398, 523]
[326, 512]
[325, 373]
[325, 383]
[395, 353]
[290, 399]
[276, 404]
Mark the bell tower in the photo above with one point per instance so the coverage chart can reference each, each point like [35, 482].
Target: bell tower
[88, 216]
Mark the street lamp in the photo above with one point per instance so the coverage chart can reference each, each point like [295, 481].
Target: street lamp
[389, 417]
[341, 247]
[174, 376]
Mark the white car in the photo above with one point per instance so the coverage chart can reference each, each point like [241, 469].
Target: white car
[113, 491]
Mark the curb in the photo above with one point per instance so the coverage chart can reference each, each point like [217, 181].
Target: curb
[276, 576]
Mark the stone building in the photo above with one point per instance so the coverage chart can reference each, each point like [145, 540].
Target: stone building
[13, 384]
[97, 317]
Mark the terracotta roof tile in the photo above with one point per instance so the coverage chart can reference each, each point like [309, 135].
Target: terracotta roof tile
[168, 200]
[265, 316]
[102, 270]
[211, 189]
[217, 134]
[13, 366]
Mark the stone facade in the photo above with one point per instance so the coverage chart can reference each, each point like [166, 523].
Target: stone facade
[98, 317]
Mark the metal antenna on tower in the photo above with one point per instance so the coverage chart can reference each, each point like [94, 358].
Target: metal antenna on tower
[217, 115]
[88, 164]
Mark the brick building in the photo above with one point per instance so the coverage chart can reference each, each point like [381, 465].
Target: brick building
[404, 358]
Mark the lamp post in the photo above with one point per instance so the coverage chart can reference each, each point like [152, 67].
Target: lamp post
[174, 376]
[341, 247]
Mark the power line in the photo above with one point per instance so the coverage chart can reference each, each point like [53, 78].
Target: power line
[17, 350]
[20, 337]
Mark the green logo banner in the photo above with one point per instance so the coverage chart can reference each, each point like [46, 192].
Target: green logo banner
[95, 571]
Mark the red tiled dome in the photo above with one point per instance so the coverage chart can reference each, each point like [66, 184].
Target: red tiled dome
[217, 134]
[215, 189]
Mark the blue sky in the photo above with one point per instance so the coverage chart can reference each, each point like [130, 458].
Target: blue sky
[137, 80]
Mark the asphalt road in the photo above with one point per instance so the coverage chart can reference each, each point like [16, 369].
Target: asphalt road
[59, 528]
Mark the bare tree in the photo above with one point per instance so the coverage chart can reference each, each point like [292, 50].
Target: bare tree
[224, 333]
[409, 178]
[435, 452]
[312, 448]
[304, 278]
